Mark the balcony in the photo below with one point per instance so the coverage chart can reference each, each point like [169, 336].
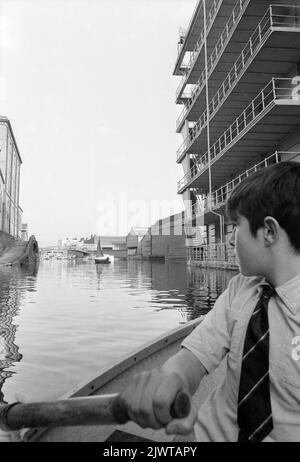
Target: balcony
[189, 37]
[215, 54]
[193, 38]
[236, 20]
[271, 50]
[194, 55]
[220, 196]
[272, 115]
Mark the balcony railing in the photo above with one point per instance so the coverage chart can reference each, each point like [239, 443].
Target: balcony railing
[277, 89]
[220, 195]
[215, 54]
[195, 53]
[271, 19]
[222, 253]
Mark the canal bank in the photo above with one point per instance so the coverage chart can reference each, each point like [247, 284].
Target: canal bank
[18, 252]
[15, 246]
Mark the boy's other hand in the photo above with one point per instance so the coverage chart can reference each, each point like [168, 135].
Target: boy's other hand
[183, 426]
[149, 398]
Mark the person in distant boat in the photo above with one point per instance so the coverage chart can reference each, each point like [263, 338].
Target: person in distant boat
[254, 328]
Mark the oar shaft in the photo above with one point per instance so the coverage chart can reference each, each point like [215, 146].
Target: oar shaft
[91, 410]
[73, 411]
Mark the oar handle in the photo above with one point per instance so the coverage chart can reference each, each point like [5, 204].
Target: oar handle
[180, 408]
[90, 410]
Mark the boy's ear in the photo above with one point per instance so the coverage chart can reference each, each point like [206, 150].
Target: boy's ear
[271, 230]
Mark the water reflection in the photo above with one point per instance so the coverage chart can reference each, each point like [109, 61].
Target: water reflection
[99, 271]
[204, 287]
[191, 290]
[14, 282]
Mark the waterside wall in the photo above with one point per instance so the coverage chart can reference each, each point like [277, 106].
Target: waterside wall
[17, 252]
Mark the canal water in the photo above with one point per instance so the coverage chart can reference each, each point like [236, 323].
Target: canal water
[62, 322]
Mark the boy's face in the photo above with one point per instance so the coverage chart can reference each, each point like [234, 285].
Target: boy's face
[249, 250]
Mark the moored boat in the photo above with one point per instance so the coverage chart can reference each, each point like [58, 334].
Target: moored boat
[100, 256]
[112, 380]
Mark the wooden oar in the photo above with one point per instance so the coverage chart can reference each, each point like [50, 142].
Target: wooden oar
[90, 410]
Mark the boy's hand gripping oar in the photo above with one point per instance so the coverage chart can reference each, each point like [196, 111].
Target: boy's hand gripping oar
[91, 410]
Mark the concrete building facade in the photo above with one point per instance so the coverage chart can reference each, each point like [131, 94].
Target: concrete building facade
[165, 239]
[168, 238]
[10, 164]
[239, 64]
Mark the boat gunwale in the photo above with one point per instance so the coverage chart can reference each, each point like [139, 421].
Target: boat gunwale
[117, 367]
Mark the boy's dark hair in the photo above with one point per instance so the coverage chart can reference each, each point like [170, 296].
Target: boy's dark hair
[273, 191]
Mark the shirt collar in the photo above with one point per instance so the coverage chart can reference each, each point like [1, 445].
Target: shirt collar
[289, 292]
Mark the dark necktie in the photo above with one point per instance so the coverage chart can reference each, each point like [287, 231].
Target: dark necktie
[254, 403]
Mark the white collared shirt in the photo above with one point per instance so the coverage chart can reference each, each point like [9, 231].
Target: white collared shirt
[222, 334]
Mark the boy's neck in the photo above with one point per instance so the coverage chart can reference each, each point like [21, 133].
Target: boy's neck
[283, 270]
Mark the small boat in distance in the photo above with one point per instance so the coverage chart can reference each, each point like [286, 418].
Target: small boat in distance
[100, 257]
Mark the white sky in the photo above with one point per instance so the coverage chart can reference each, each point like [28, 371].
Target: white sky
[89, 90]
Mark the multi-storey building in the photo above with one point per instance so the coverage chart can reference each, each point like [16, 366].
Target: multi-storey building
[239, 63]
[10, 163]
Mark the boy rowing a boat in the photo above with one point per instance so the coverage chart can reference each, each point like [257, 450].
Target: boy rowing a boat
[254, 328]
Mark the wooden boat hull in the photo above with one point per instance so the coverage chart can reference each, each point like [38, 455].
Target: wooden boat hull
[112, 380]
